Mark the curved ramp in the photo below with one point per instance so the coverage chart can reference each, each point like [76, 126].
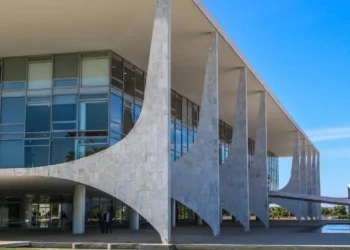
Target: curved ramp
[136, 170]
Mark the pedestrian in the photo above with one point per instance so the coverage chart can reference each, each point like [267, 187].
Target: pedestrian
[108, 222]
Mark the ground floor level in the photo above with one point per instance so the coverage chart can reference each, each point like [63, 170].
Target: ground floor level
[280, 233]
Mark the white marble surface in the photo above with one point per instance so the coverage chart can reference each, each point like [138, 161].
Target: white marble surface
[234, 185]
[136, 170]
[258, 177]
[195, 176]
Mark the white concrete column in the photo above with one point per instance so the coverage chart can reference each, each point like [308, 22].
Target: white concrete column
[234, 175]
[79, 209]
[303, 178]
[134, 219]
[173, 213]
[309, 181]
[258, 176]
[314, 184]
[319, 185]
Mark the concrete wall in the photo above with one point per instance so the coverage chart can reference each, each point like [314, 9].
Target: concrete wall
[136, 170]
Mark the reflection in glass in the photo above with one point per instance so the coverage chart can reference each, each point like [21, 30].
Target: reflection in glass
[36, 156]
[62, 150]
[128, 119]
[93, 116]
[64, 112]
[129, 81]
[13, 85]
[137, 112]
[87, 150]
[38, 118]
[117, 68]
[95, 72]
[11, 154]
[40, 75]
[12, 110]
[116, 104]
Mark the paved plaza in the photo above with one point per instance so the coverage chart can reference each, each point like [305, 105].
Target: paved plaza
[280, 233]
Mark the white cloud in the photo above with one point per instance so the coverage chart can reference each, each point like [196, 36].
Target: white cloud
[329, 134]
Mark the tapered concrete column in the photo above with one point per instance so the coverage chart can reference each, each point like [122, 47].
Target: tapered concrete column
[318, 185]
[303, 178]
[195, 176]
[134, 219]
[173, 213]
[293, 185]
[309, 181]
[258, 177]
[314, 184]
[79, 209]
[234, 185]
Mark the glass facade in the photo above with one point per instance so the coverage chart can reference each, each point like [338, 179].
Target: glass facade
[58, 108]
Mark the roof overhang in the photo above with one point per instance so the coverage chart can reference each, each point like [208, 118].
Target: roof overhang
[46, 27]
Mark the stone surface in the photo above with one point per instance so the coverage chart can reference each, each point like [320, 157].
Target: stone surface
[195, 176]
[258, 178]
[234, 185]
[318, 184]
[79, 209]
[309, 181]
[293, 185]
[303, 177]
[314, 184]
[136, 170]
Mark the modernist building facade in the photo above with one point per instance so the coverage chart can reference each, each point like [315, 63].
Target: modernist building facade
[87, 128]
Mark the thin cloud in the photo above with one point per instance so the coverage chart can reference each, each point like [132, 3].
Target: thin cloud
[329, 134]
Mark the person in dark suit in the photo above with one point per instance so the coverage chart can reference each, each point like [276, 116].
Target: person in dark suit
[108, 221]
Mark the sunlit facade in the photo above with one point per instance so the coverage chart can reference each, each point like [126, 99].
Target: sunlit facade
[59, 108]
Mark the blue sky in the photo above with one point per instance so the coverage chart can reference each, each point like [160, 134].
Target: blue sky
[302, 50]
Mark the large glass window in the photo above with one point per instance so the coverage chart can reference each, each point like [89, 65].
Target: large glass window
[65, 66]
[129, 81]
[139, 84]
[11, 154]
[15, 69]
[64, 111]
[38, 116]
[40, 75]
[62, 150]
[117, 68]
[128, 118]
[116, 105]
[138, 109]
[12, 110]
[93, 116]
[95, 72]
[36, 153]
[87, 150]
